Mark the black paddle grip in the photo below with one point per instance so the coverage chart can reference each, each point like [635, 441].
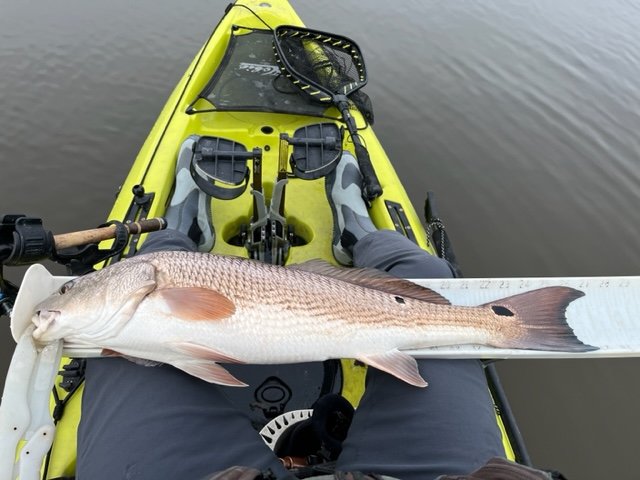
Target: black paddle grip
[371, 188]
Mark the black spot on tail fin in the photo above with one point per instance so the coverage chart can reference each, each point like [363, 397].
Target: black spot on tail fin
[543, 324]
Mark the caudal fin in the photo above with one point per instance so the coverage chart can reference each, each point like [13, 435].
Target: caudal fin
[542, 323]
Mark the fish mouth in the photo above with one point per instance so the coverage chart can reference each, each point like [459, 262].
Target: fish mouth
[43, 320]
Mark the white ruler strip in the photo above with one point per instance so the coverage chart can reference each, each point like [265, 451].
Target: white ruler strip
[607, 317]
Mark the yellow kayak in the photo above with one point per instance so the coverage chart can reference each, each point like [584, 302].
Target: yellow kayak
[263, 149]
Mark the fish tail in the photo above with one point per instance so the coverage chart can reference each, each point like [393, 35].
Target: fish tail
[542, 321]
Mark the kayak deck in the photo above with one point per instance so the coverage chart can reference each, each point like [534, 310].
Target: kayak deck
[224, 105]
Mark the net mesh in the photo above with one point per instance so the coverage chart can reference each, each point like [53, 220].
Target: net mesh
[331, 63]
[249, 79]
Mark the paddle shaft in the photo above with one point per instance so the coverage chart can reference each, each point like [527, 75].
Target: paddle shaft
[95, 235]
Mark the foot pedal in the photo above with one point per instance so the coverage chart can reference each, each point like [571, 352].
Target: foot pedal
[317, 149]
[219, 166]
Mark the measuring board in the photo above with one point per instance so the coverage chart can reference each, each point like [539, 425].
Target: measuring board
[607, 316]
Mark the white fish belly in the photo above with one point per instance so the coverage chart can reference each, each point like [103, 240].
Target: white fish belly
[267, 334]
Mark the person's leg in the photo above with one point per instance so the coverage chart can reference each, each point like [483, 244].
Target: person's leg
[400, 430]
[392, 252]
[154, 423]
[420, 433]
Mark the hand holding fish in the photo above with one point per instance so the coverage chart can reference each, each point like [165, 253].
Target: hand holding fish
[196, 310]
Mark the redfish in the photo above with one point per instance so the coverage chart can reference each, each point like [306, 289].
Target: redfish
[197, 310]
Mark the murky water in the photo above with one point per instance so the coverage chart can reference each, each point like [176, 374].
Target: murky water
[522, 116]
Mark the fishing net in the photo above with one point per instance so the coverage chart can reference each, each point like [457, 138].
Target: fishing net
[322, 65]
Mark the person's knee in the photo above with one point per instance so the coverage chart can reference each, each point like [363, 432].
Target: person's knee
[166, 240]
[392, 252]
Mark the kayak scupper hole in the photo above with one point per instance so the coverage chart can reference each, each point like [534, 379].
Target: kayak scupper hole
[273, 394]
[267, 130]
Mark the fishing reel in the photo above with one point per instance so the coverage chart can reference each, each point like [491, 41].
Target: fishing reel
[25, 241]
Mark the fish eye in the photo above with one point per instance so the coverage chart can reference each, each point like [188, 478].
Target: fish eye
[66, 287]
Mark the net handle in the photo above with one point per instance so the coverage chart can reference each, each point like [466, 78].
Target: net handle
[371, 188]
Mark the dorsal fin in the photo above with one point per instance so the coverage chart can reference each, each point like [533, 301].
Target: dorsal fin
[372, 278]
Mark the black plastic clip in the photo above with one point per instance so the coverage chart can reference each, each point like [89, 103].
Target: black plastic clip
[72, 377]
[72, 374]
[80, 260]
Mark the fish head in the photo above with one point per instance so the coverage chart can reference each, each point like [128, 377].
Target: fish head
[94, 305]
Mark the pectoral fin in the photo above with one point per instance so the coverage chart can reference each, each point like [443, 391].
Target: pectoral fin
[209, 372]
[196, 303]
[398, 364]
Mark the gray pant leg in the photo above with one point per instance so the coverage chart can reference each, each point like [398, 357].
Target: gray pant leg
[392, 252]
[415, 433]
[155, 423]
[168, 240]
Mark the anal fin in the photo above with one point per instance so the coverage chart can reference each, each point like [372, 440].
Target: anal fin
[398, 364]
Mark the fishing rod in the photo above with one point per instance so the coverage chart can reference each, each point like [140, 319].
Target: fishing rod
[99, 234]
[24, 241]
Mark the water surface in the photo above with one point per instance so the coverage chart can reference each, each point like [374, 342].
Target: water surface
[521, 116]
